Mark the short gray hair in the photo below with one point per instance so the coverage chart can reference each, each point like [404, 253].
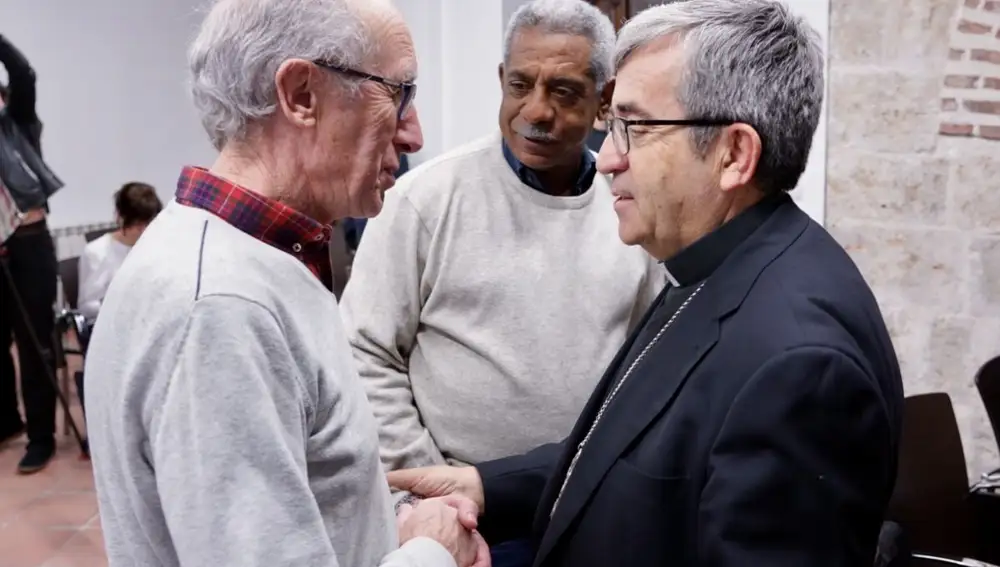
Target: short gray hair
[574, 17]
[242, 43]
[752, 61]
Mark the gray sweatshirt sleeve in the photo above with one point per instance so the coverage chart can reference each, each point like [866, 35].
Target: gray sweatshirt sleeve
[381, 311]
[228, 447]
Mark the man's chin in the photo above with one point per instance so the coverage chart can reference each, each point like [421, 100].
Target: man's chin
[537, 156]
[628, 236]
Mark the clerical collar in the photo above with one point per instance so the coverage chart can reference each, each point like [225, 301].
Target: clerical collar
[528, 176]
[696, 262]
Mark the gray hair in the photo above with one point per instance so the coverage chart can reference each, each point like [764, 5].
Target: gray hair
[242, 43]
[574, 17]
[747, 60]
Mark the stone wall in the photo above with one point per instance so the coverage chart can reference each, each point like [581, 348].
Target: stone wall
[913, 187]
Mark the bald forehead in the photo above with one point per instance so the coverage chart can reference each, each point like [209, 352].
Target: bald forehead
[395, 55]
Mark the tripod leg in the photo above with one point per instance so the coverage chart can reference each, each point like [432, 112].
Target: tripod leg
[37, 345]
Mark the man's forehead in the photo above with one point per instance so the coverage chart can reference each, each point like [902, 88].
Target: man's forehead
[532, 47]
[396, 55]
[645, 84]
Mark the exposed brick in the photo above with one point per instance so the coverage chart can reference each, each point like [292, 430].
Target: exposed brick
[991, 83]
[974, 28]
[987, 55]
[982, 106]
[950, 129]
[992, 6]
[961, 81]
[949, 104]
[956, 54]
[990, 132]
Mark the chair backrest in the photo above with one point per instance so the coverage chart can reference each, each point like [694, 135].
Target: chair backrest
[988, 384]
[930, 500]
[69, 274]
[95, 234]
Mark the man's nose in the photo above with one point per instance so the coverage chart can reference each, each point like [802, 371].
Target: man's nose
[609, 160]
[538, 109]
[409, 135]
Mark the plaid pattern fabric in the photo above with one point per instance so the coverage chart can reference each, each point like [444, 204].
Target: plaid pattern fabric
[265, 219]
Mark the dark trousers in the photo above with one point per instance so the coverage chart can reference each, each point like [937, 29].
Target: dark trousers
[31, 260]
[515, 553]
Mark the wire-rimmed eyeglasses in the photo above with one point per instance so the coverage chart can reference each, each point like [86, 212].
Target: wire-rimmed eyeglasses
[402, 92]
[618, 128]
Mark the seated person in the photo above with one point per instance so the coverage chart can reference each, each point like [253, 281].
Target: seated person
[136, 205]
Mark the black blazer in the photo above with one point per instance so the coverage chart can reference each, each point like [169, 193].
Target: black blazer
[760, 431]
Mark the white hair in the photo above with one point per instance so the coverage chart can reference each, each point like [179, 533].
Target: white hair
[242, 43]
[574, 17]
[751, 61]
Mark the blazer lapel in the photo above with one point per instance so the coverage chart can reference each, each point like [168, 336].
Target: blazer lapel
[644, 395]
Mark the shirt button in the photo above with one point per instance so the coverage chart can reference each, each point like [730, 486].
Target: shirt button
[297, 247]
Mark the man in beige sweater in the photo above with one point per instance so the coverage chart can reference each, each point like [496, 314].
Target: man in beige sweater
[492, 290]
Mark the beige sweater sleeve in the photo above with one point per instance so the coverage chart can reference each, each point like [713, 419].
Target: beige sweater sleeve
[652, 284]
[381, 310]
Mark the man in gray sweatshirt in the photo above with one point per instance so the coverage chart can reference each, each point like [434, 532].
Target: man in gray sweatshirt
[228, 425]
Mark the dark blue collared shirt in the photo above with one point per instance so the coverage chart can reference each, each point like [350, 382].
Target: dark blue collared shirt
[528, 176]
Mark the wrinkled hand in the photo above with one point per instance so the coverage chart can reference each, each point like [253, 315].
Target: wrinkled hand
[432, 482]
[483, 558]
[444, 521]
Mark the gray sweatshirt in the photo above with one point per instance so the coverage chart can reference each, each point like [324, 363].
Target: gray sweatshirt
[226, 420]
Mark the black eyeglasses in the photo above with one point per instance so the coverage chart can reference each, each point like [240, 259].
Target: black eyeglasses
[618, 128]
[402, 93]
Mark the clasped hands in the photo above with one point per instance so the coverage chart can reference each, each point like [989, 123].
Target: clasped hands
[453, 500]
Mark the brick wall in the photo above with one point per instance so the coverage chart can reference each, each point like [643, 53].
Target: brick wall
[970, 97]
[917, 206]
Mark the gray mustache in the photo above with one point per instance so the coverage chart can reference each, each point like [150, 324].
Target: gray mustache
[534, 133]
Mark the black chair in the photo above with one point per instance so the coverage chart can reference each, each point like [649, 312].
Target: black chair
[919, 560]
[988, 384]
[931, 501]
[95, 234]
[69, 319]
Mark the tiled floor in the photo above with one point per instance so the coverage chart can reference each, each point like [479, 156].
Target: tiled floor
[49, 519]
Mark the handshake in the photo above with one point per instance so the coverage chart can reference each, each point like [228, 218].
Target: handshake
[449, 515]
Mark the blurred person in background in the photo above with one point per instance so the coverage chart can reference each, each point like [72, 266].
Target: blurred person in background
[29, 256]
[136, 205]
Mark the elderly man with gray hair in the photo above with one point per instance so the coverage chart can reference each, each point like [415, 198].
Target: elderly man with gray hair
[493, 284]
[227, 422]
[754, 418]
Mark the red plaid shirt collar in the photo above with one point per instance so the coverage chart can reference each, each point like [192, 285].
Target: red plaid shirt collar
[265, 219]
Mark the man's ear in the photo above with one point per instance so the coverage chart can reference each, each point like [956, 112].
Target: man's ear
[606, 94]
[500, 73]
[297, 84]
[740, 147]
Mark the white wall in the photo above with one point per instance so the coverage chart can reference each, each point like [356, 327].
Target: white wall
[459, 44]
[112, 95]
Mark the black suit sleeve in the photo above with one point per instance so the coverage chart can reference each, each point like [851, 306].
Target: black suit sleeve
[512, 489]
[21, 92]
[801, 471]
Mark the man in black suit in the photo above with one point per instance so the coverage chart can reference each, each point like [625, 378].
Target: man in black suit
[753, 419]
